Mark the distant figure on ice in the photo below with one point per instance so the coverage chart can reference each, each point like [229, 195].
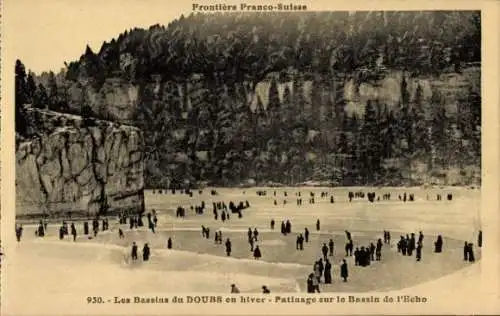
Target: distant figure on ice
[348, 235]
[73, 231]
[480, 239]
[349, 248]
[256, 234]
[234, 289]
[317, 271]
[378, 250]
[470, 252]
[306, 234]
[330, 247]
[317, 225]
[120, 233]
[145, 252]
[19, 232]
[438, 244]
[419, 251]
[324, 250]
[344, 273]
[332, 200]
[283, 228]
[372, 252]
[357, 257]
[228, 247]
[41, 230]
[288, 227]
[272, 224]
[61, 233]
[299, 244]
[256, 253]
[265, 290]
[134, 251]
[169, 243]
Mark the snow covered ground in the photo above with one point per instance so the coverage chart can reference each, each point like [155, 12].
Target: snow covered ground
[49, 268]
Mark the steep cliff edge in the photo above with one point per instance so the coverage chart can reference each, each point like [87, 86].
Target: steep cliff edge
[78, 167]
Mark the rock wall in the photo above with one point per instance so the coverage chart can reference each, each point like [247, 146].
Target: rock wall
[78, 167]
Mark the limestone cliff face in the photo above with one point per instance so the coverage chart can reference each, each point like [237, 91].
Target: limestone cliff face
[78, 168]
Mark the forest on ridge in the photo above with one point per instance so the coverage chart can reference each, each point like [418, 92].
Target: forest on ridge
[205, 122]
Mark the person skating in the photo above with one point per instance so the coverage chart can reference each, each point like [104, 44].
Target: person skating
[324, 250]
[310, 286]
[318, 227]
[378, 250]
[470, 251]
[344, 273]
[145, 252]
[134, 251]
[272, 224]
[438, 244]
[85, 228]
[306, 234]
[330, 247]
[328, 272]
[228, 247]
[419, 251]
[372, 252]
[73, 231]
[19, 232]
[256, 234]
[256, 253]
[234, 289]
[169, 243]
[480, 239]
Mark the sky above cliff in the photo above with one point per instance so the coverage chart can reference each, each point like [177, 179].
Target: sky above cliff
[44, 34]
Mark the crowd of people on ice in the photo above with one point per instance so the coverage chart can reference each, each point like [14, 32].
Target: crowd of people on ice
[322, 268]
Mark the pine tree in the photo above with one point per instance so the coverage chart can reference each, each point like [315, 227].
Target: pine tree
[41, 98]
[21, 97]
[53, 92]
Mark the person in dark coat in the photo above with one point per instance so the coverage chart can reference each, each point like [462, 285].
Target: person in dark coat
[40, 231]
[61, 233]
[466, 251]
[134, 251]
[332, 200]
[378, 250]
[306, 234]
[357, 254]
[344, 273]
[348, 235]
[419, 251]
[283, 228]
[73, 231]
[318, 225]
[169, 243]
[145, 252]
[324, 250]
[85, 228]
[288, 227]
[228, 247]
[472, 258]
[330, 247]
[310, 286]
[251, 242]
[256, 234]
[301, 242]
[265, 290]
[297, 243]
[256, 253]
[421, 238]
[321, 266]
[438, 244]
[480, 239]
[272, 224]
[120, 233]
[328, 272]
[372, 252]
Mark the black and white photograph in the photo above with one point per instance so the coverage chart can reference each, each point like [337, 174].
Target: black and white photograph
[241, 150]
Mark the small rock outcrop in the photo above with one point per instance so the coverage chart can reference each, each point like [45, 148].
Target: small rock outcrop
[79, 167]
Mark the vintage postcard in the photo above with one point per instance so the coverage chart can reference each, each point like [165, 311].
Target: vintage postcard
[243, 158]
